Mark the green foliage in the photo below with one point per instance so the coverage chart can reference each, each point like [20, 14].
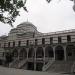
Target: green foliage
[12, 8]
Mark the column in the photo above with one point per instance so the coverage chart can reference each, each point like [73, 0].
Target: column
[35, 54]
[44, 54]
[35, 59]
[34, 66]
[54, 52]
[27, 52]
[65, 56]
[18, 54]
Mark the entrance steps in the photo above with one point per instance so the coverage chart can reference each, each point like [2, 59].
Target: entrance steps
[1, 54]
[61, 67]
[22, 63]
[50, 62]
[14, 64]
[17, 63]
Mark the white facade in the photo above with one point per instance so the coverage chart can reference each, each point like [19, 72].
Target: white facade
[33, 50]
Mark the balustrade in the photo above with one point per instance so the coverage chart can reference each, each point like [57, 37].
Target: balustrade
[14, 63]
[21, 63]
[45, 67]
[73, 67]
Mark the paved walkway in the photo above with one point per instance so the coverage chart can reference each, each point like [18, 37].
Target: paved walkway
[11, 71]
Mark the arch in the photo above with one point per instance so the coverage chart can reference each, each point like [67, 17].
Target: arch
[39, 52]
[70, 52]
[8, 57]
[23, 54]
[39, 66]
[15, 53]
[59, 53]
[31, 52]
[49, 51]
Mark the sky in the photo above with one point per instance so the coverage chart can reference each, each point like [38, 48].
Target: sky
[55, 16]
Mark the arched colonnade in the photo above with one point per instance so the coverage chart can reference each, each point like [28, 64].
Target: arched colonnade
[58, 52]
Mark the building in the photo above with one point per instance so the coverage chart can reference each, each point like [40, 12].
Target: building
[27, 48]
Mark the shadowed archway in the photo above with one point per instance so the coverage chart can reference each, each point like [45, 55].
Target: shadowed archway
[39, 52]
[70, 52]
[15, 53]
[22, 54]
[31, 52]
[49, 52]
[59, 53]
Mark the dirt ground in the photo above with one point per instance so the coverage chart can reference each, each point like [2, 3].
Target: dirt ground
[11, 71]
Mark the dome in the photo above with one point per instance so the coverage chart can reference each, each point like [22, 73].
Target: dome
[25, 27]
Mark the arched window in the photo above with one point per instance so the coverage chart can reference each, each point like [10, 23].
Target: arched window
[39, 52]
[59, 53]
[23, 53]
[49, 52]
[31, 52]
[70, 52]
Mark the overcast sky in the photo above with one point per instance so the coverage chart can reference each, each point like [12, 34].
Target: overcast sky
[55, 16]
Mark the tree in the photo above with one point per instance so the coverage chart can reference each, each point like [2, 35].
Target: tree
[9, 9]
[74, 5]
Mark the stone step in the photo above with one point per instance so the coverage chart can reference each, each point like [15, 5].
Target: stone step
[61, 66]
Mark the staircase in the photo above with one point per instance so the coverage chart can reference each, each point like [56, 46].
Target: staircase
[17, 63]
[1, 54]
[73, 67]
[14, 64]
[50, 62]
[21, 63]
[61, 67]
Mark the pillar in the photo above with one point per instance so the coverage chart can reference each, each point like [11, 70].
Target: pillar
[35, 54]
[18, 53]
[35, 59]
[34, 66]
[27, 49]
[44, 54]
[54, 52]
[65, 56]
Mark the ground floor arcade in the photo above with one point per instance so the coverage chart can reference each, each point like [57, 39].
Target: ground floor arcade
[38, 56]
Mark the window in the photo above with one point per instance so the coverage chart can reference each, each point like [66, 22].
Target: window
[27, 42]
[36, 41]
[4, 44]
[59, 39]
[8, 44]
[68, 38]
[51, 40]
[19, 43]
[13, 43]
[43, 40]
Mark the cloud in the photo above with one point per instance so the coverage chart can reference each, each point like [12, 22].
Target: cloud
[46, 17]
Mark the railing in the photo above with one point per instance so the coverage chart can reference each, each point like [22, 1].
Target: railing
[73, 67]
[15, 62]
[58, 32]
[47, 59]
[45, 67]
[39, 59]
[22, 63]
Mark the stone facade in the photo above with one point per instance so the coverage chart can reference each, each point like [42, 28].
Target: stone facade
[27, 48]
